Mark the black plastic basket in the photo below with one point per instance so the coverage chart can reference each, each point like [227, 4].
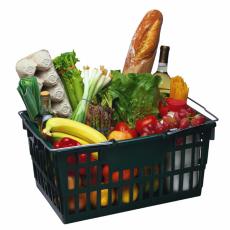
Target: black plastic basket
[142, 172]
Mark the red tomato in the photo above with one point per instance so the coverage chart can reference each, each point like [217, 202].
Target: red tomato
[198, 120]
[170, 121]
[82, 157]
[159, 127]
[115, 176]
[71, 173]
[163, 109]
[82, 171]
[141, 123]
[93, 180]
[135, 172]
[93, 171]
[144, 134]
[71, 159]
[132, 132]
[126, 174]
[105, 172]
[184, 123]
[121, 126]
[191, 112]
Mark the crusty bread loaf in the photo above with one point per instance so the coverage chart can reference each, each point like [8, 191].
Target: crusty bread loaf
[143, 47]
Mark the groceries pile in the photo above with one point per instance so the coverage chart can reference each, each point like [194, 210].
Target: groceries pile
[74, 107]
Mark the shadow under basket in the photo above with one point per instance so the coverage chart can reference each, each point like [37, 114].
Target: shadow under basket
[96, 180]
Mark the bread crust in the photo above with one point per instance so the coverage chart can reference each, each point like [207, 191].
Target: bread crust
[143, 47]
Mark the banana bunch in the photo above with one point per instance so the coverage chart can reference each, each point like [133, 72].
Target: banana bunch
[58, 128]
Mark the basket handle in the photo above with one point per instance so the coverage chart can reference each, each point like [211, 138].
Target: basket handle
[207, 111]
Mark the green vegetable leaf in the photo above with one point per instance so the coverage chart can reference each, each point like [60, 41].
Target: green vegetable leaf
[65, 61]
[133, 96]
[70, 76]
[30, 94]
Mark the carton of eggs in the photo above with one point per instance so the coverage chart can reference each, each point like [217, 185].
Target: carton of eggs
[40, 64]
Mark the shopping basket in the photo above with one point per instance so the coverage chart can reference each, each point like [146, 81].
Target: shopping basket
[141, 172]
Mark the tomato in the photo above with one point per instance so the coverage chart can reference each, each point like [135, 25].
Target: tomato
[71, 159]
[132, 132]
[105, 173]
[135, 172]
[121, 126]
[126, 174]
[82, 158]
[183, 113]
[171, 122]
[191, 112]
[159, 127]
[82, 171]
[184, 123]
[115, 176]
[148, 120]
[163, 109]
[198, 120]
[144, 134]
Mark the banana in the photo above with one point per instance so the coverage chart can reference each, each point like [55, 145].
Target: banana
[73, 128]
[58, 135]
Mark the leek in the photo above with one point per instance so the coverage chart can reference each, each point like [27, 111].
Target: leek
[30, 94]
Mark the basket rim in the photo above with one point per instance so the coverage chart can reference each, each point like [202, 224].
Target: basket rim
[178, 132]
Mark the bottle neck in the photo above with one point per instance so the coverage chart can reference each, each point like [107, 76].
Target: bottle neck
[162, 67]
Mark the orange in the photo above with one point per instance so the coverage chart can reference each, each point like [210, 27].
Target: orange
[126, 194]
[118, 135]
[104, 197]
[82, 202]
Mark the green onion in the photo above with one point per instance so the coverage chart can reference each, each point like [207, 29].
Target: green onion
[94, 80]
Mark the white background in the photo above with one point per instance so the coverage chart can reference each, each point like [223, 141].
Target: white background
[100, 33]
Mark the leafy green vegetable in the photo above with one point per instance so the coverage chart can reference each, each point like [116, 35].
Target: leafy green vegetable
[65, 61]
[70, 76]
[133, 96]
[94, 80]
[30, 94]
[100, 118]
[73, 84]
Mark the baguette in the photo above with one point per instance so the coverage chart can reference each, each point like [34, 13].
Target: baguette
[143, 47]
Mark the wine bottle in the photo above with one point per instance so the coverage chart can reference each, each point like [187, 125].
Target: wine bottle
[162, 70]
